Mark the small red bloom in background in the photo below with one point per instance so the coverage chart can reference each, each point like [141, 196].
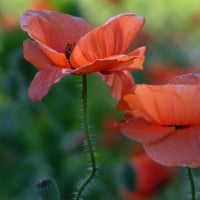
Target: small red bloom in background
[64, 45]
[110, 137]
[149, 178]
[161, 73]
[166, 120]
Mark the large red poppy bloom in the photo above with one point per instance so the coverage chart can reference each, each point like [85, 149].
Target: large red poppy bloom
[166, 120]
[64, 44]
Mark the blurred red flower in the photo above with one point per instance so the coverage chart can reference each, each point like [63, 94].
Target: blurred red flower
[149, 178]
[69, 45]
[166, 120]
[110, 137]
[161, 73]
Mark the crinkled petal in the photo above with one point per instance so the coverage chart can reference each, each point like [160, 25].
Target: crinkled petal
[53, 29]
[43, 80]
[109, 65]
[142, 131]
[35, 55]
[120, 83]
[180, 148]
[139, 55]
[165, 104]
[112, 38]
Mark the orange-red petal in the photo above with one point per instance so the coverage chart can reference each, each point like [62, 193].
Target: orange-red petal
[35, 55]
[180, 148]
[109, 65]
[57, 58]
[120, 83]
[53, 29]
[164, 105]
[41, 56]
[43, 80]
[139, 55]
[142, 131]
[112, 38]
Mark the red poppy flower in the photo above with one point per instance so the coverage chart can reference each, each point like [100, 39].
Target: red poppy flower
[69, 45]
[166, 120]
[149, 175]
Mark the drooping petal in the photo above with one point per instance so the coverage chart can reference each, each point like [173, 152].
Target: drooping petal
[142, 131]
[112, 38]
[120, 83]
[139, 55]
[136, 64]
[166, 104]
[110, 65]
[54, 29]
[180, 148]
[43, 80]
[35, 55]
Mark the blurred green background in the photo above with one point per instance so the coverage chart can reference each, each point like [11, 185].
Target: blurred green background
[38, 140]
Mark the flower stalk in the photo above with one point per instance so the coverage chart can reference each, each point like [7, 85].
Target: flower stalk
[93, 168]
[192, 185]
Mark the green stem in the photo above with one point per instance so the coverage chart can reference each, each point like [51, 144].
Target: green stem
[192, 186]
[93, 169]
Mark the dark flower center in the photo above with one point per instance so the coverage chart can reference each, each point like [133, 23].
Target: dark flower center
[68, 50]
[178, 127]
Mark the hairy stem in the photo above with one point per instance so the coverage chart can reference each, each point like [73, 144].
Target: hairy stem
[93, 167]
[192, 186]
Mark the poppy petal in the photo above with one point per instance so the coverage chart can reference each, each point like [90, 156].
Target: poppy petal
[142, 131]
[41, 56]
[34, 55]
[109, 65]
[178, 98]
[53, 28]
[43, 80]
[57, 58]
[139, 58]
[180, 148]
[120, 83]
[112, 38]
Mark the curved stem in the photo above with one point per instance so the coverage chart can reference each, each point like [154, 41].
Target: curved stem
[192, 185]
[93, 169]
